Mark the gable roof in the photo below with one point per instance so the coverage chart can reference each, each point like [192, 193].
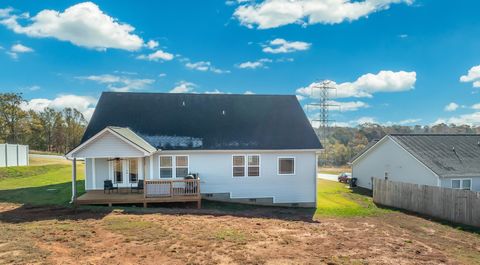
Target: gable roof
[124, 134]
[207, 121]
[447, 155]
[132, 137]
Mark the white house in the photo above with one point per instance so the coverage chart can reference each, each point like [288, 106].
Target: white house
[445, 160]
[244, 148]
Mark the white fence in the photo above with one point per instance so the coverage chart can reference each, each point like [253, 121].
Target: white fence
[459, 206]
[12, 155]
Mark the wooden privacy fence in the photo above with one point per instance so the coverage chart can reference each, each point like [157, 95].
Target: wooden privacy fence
[459, 206]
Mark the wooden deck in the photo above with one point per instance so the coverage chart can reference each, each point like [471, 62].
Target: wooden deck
[156, 191]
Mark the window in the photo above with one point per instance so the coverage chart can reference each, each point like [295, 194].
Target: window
[133, 170]
[239, 166]
[246, 165]
[253, 165]
[463, 184]
[181, 166]
[173, 166]
[118, 171]
[166, 167]
[286, 166]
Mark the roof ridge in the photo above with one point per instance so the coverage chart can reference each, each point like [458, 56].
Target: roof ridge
[434, 134]
[197, 94]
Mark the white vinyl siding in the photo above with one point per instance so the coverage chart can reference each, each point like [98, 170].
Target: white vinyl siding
[108, 145]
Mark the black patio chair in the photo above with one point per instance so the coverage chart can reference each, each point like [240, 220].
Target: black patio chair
[139, 186]
[108, 185]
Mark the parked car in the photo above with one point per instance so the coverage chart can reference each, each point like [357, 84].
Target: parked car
[345, 177]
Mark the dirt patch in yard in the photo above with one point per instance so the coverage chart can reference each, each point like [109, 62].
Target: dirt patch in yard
[61, 236]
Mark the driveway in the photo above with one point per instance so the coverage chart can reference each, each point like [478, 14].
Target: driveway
[331, 177]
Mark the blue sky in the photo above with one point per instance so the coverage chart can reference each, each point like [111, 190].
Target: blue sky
[393, 61]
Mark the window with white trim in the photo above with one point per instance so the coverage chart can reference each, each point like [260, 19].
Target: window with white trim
[246, 165]
[462, 184]
[181, 166]
[286, 166]
[253, 166]
[166, 166]
[238, 166]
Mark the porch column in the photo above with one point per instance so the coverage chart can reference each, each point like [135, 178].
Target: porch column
[74, 180]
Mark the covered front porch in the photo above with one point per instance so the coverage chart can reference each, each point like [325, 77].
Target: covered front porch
[119, 169]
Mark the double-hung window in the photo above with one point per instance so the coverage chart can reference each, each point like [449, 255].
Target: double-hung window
[286, 166]
[462, 184]
[246, 165]
[173, 166]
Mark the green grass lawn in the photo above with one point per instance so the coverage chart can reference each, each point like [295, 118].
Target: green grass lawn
[337, 200]
[39, 185]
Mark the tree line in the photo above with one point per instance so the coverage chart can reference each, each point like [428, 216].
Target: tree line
[343, 143]
[48, 130]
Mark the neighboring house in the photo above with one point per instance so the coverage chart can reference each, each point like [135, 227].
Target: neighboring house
[245, 148]
[445, 160]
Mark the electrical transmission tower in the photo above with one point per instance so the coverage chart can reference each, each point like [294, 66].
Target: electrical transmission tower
[323, 91]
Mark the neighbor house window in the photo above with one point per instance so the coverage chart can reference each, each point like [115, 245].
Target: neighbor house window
[166, 167]
[253, 165]
[181, 166]
[462, 184]
[286, 165]
[238, 166]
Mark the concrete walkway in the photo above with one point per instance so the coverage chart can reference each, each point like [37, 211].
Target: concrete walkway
[331, 177]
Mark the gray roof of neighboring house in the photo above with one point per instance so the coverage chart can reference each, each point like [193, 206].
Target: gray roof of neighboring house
[367, 147]
[132, 137]
[448, 155]
[170, 121]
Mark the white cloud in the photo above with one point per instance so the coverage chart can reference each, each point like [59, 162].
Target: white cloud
[367, 85]
[473, 75]
[151, 44]
[276, 13]
[472, 119]
[403, 36]
[248, 92]
[20, 48]
[162, 75]
[348, 106]
[119, 83]
[5, 12]
[254, 64]
[216, 91]
[83, 24]
[156, 56]
[409, 121]
[183, 87]
[205, 66]
[84, 104]
[452, 106]
[476, 106]
[284, 46]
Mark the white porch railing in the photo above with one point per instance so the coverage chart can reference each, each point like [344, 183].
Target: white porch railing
[171, 188]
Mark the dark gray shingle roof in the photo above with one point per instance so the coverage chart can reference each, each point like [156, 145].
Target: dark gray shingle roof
[448, 155]
[207, 122]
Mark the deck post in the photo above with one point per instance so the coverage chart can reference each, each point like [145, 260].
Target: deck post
[74, 181]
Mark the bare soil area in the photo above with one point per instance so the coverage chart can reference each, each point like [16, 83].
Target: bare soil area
[41, 235]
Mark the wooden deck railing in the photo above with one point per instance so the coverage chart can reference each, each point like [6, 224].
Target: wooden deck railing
[171, 188]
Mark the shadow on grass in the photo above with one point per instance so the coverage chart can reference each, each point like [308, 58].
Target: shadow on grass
[52, 202]
[458, 226]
